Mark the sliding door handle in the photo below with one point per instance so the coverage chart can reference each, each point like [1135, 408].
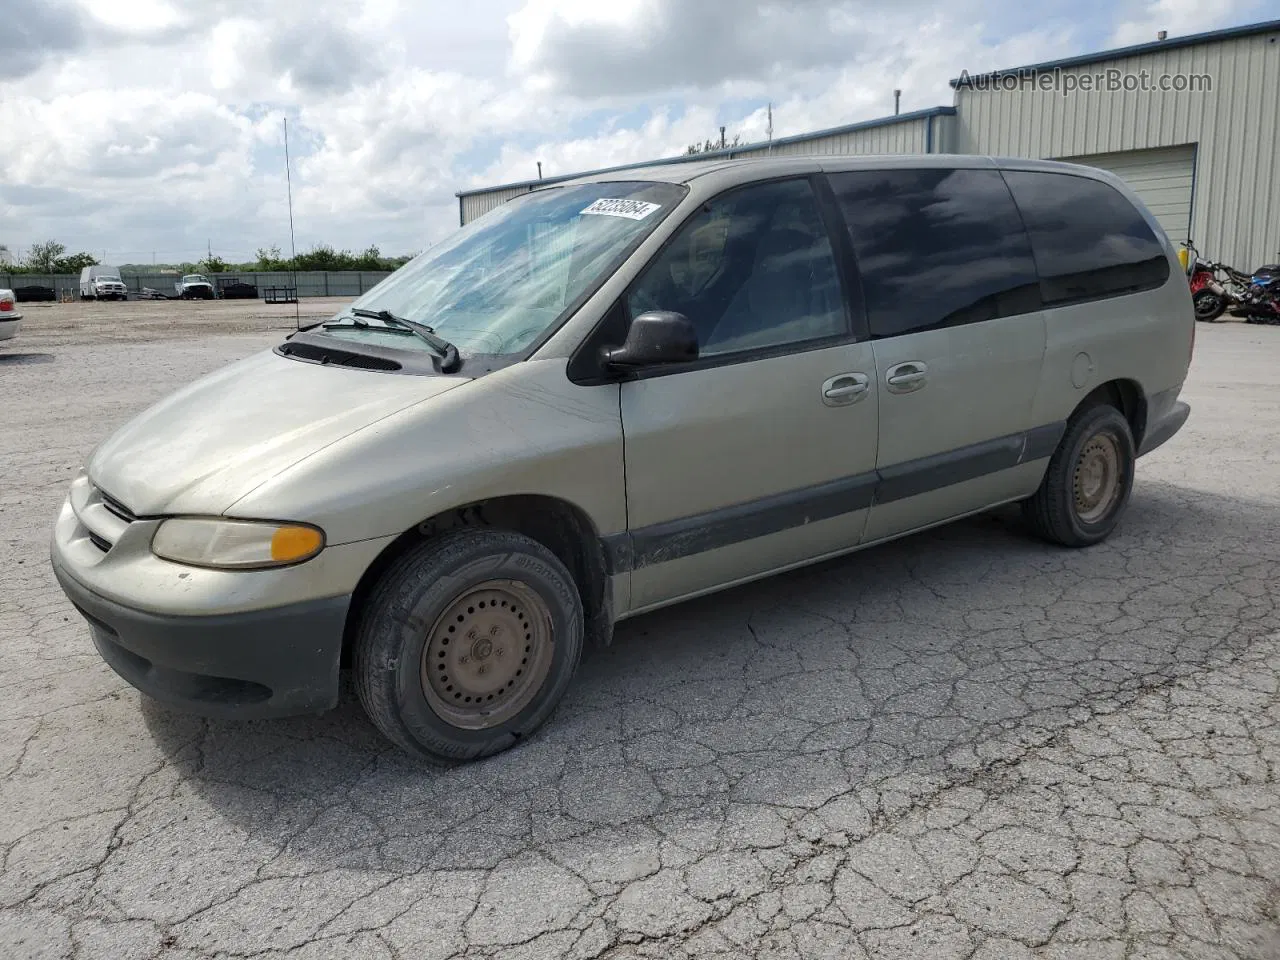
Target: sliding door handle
[906, 377]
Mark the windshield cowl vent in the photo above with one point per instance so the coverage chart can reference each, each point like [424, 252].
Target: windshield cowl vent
[314, 353]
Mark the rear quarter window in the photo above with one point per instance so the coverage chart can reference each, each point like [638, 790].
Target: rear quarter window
[1089, 241]
[936, 247]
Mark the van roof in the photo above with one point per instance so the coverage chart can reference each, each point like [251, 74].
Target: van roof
[763, 167]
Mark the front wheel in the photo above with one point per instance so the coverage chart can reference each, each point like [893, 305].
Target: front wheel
[1209, 306]
[1087, 484]
[468, 643]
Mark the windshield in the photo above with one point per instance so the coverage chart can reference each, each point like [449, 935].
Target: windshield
[497, 284]
[109, 273]
[194, 278]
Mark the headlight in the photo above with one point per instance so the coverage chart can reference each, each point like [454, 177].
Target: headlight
[235, 544]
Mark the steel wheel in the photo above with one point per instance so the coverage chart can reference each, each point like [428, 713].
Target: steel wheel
[487, 655]
[1096, 479]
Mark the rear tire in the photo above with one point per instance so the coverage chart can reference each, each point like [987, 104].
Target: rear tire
[467, 644]
[1088, 482]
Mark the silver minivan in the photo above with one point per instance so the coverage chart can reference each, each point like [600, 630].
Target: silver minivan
[614, 394]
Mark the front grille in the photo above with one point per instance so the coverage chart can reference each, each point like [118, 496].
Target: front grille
[116, 507]
[103, 518]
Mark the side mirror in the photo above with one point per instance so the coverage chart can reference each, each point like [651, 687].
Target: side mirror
[659, 336]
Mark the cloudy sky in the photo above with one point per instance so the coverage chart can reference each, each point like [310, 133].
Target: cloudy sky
[141, 127]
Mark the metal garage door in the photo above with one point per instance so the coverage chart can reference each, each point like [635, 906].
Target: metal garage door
[1161, 177]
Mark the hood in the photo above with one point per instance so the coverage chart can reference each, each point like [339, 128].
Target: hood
[211, 443]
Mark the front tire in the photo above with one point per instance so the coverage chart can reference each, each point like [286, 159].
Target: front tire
[1209, 306]
[468, 643]
[1088, 482]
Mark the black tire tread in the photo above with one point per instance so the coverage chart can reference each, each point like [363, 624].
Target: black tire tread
[1049, 511]
[375, 635]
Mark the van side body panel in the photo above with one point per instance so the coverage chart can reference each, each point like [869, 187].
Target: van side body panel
[1144, 337]
[523, 430]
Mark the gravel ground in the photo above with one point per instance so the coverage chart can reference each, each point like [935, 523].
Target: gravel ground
[965, 744]
[47, 325]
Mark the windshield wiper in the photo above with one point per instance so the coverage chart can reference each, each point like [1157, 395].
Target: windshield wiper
[450, 359]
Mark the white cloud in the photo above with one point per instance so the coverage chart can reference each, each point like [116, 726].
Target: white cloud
[144, 124]
[1179, 18]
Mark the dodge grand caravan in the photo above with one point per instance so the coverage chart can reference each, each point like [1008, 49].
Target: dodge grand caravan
[614, 394]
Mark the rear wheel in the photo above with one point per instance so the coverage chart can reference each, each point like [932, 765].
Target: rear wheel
[1088, 482]
[468, 643]
[1208, 305]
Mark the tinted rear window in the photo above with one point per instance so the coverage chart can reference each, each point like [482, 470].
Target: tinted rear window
[936, 247]
[1089, 240]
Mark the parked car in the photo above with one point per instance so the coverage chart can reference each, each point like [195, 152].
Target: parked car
[100, 282]
[10, 318]
[630, 392]
[194, 286]
[233, 288]
[35, 293]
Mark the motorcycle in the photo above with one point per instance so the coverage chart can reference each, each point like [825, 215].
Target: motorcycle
[1259, 300]
[1208, 295]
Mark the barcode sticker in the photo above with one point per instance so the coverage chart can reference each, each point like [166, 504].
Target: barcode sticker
[631, 209]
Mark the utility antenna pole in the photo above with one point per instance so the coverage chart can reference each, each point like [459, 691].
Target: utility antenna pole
[293, 246]
[722, 142]
[897, 99]
[769, 129]
[539, 169]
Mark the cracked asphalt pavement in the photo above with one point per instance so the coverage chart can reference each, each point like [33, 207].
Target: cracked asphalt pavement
[966, 744]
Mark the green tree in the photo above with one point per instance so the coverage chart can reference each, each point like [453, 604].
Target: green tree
[43, 257]
[214, 264]
[74, 263]
[707, 146]
[269, 258]
[324, 257]
[371, 259]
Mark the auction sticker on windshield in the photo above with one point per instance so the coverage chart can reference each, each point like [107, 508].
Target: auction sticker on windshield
[631, 209]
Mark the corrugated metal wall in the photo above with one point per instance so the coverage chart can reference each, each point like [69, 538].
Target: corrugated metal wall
[907, 137]
[478, 204]
[310, 283]
[1236, 125]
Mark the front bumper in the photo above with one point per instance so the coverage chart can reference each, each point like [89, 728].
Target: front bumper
[250, 643]
[9, 326]
[265, 663]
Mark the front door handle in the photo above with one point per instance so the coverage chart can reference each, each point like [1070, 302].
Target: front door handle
[906, 377]
[845, 388]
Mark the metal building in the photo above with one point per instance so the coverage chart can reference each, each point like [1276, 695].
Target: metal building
[924, 131]
[1191, 123]
[1204, 159]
